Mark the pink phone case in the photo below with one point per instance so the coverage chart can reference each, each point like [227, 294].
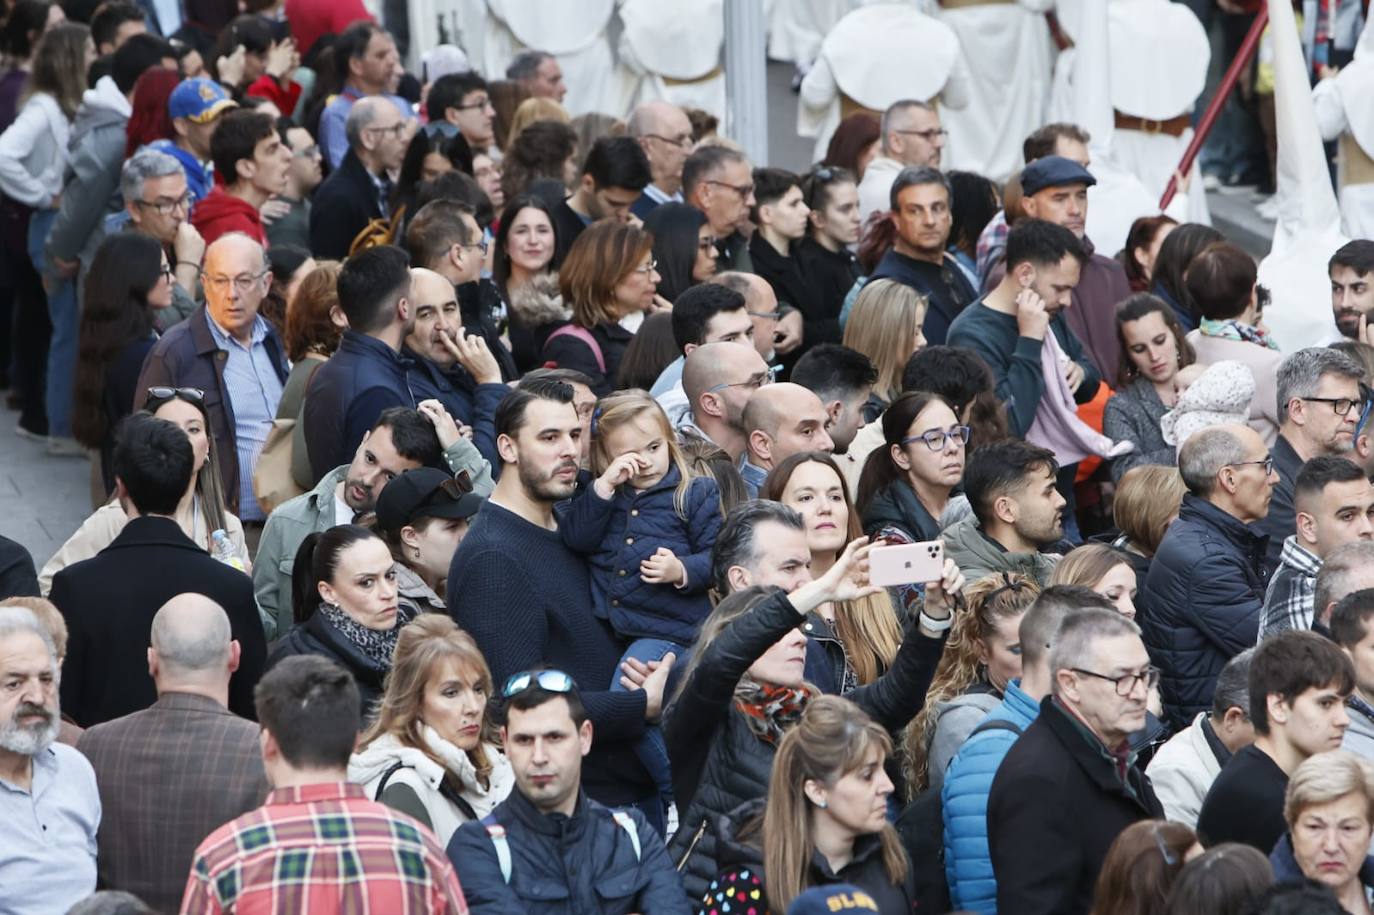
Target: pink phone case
[906, 563]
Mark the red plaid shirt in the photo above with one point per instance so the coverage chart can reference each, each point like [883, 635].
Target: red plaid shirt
[322, 848]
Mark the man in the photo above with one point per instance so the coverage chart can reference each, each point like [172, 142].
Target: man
[115, 23]
[303, 175]
[359, 189]
[1299, 682]
[843, 379]
[779, 421]
[1345, 570]
[526, 598]
[1202, 599]
[1335, 506]
[401, 439]
[549, 836]
[1320, 403]
[1352, 288]
[48, 794]
[665, 134]
[460, 103]
[227, 348]
[195, 106]
[109, 600]
[718, 379]
[449, 366]
[250, 168]
[964, 794]
[777, 328]
[317, 838]
[584, 401]
[156, 203]
[1055, 189]
[719, 181]
[1350, 629]
[704, 313]
[367, 64]
[920, 201]
[367, 373]
[910, 136]
[170, 774]
[1017, 512]
[538, 72]
[1070, 782]
[1184, 768]
[613, 177]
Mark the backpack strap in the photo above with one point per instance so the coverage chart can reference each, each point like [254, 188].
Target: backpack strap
[386, 777]
[497, 833]
[580, 333]
[627, 823]
[996, 724]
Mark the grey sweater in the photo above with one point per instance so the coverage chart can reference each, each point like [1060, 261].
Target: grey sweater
[1133, 413]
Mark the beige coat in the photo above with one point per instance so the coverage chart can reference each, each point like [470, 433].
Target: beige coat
[1263, 363]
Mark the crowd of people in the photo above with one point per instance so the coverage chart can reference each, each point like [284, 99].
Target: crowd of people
[501, 511]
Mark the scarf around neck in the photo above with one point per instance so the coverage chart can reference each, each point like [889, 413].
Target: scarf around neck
[377, 645]
[1231, 329]
[770, 711]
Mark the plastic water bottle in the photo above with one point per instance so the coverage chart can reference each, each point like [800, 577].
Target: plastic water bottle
[223, 550]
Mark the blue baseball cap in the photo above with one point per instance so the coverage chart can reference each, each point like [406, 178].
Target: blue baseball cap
[836, 897]
[200, 100]
[1053, 171]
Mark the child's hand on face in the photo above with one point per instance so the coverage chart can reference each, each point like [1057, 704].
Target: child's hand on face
[622, 470]
[663, 568]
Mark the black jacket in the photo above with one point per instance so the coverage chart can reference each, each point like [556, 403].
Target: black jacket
[718, 762]
[831, 274]
[896, 505]
[468, 402]
[1055, 807]
[17, 577]
[109, 602]
[943, 285]
[1201, 603]
[344, 204]
[318, 636]
[1281, 522]
[481, 307]
[567, 225]
[784, 274]
[569, 352]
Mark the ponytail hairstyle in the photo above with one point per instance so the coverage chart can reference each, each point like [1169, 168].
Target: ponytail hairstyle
[317, 560]
[833, 738]
[617, 410]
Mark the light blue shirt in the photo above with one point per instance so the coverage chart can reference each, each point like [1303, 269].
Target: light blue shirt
[254, 392]
[333, 139]
[753, 475]
[47, 846]
[669, 378]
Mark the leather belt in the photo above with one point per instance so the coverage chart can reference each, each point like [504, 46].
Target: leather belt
[1174, 126]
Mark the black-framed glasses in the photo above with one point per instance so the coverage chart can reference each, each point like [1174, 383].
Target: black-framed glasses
[167, 271]
[1267, 464]
[396, 130]
[1341, 406]
[753, 381]
[1126, 682]
[555, 681]
[167, 207]
[478, 245]
[707, 244]
[936, 439]
[483, 102]
[928, 135]
[744, 190]
[682, 141]
[163, 393]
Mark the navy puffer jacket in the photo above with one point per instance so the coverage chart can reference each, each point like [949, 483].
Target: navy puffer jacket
[1201, 603]
[621, 533]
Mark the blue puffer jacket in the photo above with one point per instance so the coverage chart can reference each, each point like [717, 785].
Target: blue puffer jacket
[621, 533]
[964, 800]
[1201, 603]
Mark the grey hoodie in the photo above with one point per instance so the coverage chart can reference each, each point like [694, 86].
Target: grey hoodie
[978, 557]
[92, 187]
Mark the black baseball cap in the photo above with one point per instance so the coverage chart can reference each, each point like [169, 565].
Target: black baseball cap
[425, 493]
[1054, 171]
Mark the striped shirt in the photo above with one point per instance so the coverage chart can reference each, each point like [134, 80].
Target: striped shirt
[322, 848]
[254, 393]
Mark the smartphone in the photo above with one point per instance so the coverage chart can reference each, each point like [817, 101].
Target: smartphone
[906, 563]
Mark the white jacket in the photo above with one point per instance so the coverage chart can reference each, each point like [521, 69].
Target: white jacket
[424, 776]
[1182, 772]
[33, 152]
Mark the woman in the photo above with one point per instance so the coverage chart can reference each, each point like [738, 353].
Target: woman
[781, 218]
[885, 325]
[824, 820]
[532, 111]
[649, 353]
[544, 149]
[1329, 808]
[982, 656]
[423, 515]
[1221, 282]
[1141, 867]
[1141, 253]
[525, 245]
[1176, 252]
[608, 275]
[429, 156]
[1147, 502]
[506, 97]
[1105, 569]
[129, 280]
[831, 196]
[314, 325]
[684, 248]
[906, 485]
[973, 204]
[344, 595]
[263, 69]
[289, 265]
[151, 119]
[744, 689]
[1153, 355]
[1226, 879]
[201, 511]
[487, 172]
[860, 637]
[854, 144]
[432, 753]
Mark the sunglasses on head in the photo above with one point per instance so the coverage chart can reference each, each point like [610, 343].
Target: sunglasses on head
[163, 393]
[555, 681]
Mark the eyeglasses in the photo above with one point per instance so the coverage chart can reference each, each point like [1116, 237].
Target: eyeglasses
[682, 141]
[753, 381]
[928, 135]
[770, 315]
[1125, 683]
[555, 681]
[647, 269]
[707, 244]
[482, 102]
[744, 190]
[1341, 406]
[167, 271]
[161, 393]
[480, 246]
[244, 283]
[936, 439]
[1267, 464]
[310, 152]
[167, 207]
[396, 130]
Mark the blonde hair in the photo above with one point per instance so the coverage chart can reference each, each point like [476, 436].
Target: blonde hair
[991, 600]
[49, 617]
[882, 324]
[833, 738]
[423, 646]
[1147, 499]
[615, 411]
[1327, 777]
[1087, 565]
[536, 109]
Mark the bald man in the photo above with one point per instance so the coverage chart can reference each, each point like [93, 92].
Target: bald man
[665, 135]
[170, 774]
[359, 189]
[718, 379]
[781, 420]
[449, 365]
[777, 331]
